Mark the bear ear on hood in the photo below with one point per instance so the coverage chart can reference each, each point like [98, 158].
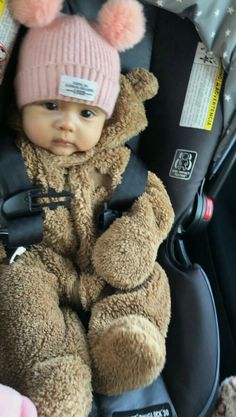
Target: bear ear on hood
[144, 83]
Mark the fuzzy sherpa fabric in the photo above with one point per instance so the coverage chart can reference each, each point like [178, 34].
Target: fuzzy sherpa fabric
[226, 405]
[44, 351]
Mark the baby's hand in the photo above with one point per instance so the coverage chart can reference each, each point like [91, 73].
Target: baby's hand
[124, 255]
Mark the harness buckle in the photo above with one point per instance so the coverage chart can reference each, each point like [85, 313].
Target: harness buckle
[106, 217]
[26, 203]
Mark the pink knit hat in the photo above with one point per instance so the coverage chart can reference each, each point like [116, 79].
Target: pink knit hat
[74, 60]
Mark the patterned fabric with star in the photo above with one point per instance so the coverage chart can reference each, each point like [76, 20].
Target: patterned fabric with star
[215, 21]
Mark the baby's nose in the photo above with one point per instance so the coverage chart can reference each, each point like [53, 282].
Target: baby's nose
[67, 122]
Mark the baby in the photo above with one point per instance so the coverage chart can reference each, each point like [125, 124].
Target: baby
[77, 112]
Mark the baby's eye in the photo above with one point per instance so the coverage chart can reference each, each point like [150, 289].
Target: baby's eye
[87, 113]
[50, 105]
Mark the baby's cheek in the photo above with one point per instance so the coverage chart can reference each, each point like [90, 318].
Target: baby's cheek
[34, 131]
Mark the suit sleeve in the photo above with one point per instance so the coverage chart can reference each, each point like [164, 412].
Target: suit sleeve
[125, 254]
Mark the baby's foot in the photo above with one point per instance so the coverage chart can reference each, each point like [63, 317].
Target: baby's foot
[128, 355]
[226, 405]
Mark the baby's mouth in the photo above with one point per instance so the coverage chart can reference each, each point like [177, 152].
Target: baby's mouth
[62, 142]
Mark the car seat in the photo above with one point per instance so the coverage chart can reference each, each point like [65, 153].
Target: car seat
[189, 382]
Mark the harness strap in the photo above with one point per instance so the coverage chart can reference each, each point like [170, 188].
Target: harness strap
[133, 184]
[14, 179]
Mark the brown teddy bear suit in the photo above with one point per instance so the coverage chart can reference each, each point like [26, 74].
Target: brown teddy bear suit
[44, 352]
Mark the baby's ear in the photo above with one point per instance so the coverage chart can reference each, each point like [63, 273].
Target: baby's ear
[35, 13]
[144, 83]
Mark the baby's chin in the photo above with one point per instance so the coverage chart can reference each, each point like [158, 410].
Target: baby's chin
[63, 151]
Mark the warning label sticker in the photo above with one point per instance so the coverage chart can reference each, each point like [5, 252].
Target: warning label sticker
[2, 6]
[203, 90]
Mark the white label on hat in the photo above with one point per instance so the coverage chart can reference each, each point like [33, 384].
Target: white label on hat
[77, 88]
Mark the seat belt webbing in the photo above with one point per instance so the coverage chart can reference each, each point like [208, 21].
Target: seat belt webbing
[14, 179]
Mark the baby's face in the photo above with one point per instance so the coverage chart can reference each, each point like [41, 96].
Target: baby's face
[62, 127]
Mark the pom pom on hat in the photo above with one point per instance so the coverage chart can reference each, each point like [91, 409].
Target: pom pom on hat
[35, 13]
[121, 23]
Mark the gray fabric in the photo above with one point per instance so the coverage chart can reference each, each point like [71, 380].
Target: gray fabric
[154, 394]
[215, 21]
